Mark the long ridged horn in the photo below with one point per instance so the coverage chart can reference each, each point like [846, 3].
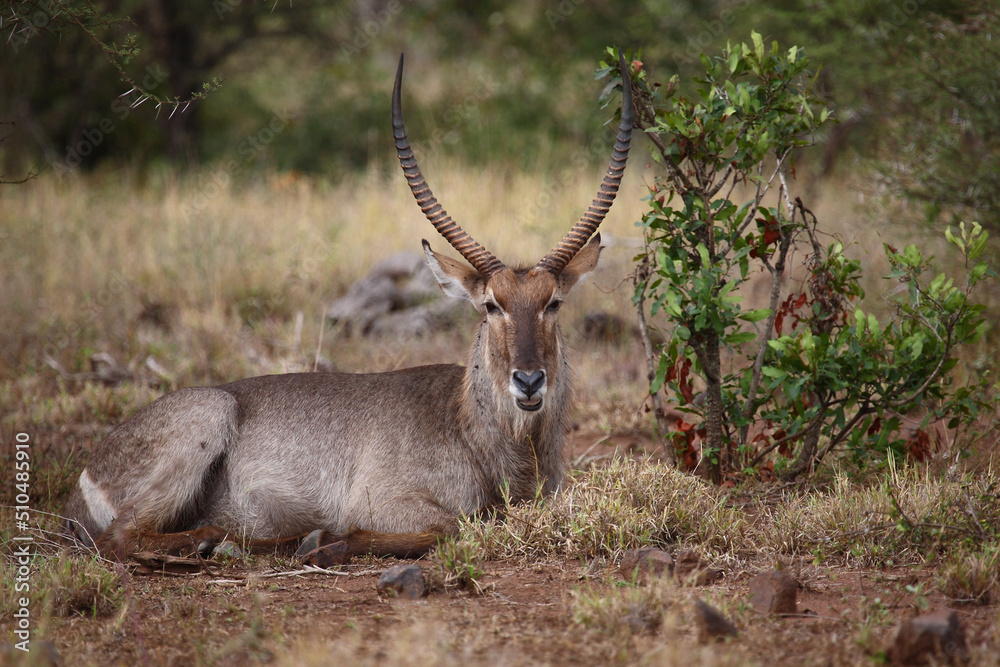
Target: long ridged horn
[479, 257]
[566, 250]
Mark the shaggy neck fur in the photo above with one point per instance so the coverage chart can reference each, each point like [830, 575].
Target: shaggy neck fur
[514, 448]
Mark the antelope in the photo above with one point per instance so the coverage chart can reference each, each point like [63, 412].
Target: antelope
[380, 463]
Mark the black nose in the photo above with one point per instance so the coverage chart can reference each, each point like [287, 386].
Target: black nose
[529, 383]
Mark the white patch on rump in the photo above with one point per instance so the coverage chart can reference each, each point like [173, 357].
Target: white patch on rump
[100, 508]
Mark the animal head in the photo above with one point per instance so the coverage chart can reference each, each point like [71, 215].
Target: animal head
[520, 306]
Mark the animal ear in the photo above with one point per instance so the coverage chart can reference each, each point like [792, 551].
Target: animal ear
[455, 278]
[581, 265]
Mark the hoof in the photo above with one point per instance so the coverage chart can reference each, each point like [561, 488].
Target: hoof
[310, 543]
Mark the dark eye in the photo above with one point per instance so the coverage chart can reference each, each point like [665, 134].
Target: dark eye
[491, 308]
[554, 306]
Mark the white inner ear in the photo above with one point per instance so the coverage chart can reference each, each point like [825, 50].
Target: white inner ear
[449, 284]
[580, 266]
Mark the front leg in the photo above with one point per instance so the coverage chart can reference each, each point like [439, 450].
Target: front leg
[120, 541]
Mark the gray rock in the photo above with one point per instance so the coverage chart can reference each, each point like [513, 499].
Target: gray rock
[774, 593]
[365, 301]
[398, 298]
[405, 580]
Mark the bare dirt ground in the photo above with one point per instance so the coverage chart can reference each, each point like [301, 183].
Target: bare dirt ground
[526, 618]
[549, 611]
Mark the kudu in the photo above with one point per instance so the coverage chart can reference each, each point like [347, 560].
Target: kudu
[381, 463]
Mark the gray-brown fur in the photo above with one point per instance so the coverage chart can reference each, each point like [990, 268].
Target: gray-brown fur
[401, 452]
[383, 462]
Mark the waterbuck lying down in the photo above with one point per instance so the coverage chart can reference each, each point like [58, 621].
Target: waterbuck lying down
[381, 463]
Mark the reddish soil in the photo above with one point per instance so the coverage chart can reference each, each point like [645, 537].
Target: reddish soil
[239, 614]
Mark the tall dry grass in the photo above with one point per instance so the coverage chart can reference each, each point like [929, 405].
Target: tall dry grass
[210, 280]
[86, 261]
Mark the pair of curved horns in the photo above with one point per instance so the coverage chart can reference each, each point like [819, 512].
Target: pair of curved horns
[479, 257]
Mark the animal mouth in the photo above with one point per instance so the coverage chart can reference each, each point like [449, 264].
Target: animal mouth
[529, 406]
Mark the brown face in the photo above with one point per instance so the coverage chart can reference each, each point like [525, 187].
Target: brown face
[521, 309]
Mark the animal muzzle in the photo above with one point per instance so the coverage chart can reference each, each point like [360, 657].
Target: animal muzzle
[528, 388]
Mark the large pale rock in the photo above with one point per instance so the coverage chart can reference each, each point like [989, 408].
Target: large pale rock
[398, 298]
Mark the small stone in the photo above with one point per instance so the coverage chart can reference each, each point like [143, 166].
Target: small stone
[404, 580]
[774, 593]
[935, 638]
[712, 625]
[691, 570]
[644, 562]
[229, 549]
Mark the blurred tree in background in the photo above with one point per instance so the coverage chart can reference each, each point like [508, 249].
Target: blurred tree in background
[914, 81]
[497, 80]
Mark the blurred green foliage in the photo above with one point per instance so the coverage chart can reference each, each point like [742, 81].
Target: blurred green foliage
[914, 82]
[491, 80]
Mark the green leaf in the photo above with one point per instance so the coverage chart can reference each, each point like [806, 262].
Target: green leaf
[661, 374]
[703, 253]
[755, 315]
[953, 240]
[775, 373]
[979, 239]
[978, 271]
[740, 338]
[779, 344]
[873, 325]
[758, 44]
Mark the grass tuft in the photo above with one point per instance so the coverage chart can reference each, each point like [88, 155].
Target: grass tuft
[972, 576]
[458, 564]
[621, 612]
[606, 510]
[904, 517]
[80, 586]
